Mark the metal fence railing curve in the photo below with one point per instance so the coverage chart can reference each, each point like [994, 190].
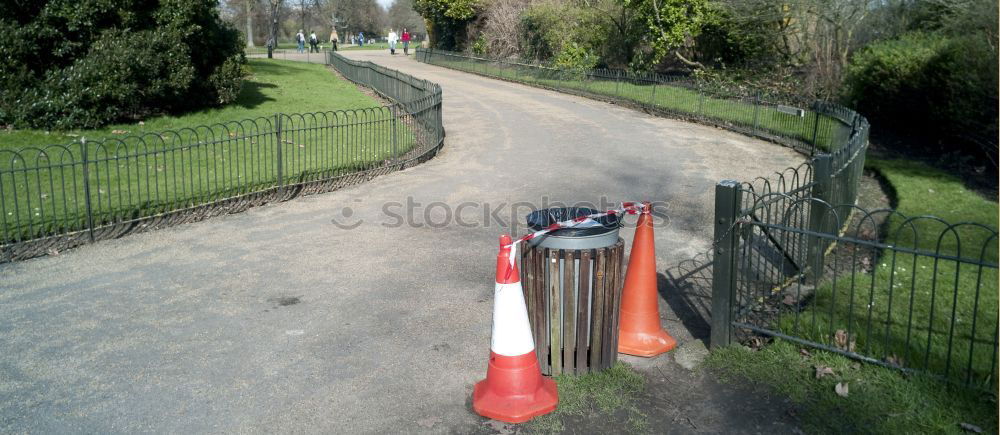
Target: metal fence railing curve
[54, 197]
[793, 256]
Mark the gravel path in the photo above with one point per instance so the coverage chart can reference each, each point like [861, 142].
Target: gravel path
[277, 320]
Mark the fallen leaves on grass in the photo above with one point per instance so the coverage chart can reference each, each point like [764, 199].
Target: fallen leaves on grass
[788, 300]
[823, 371]
[866, 265]
[841, 389]
[843, 341]
[970, 428]
[756, 343]
[867, 234]
[804, 353]
[119, 131]
[894, 360]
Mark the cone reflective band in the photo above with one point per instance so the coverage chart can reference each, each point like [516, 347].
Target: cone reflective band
[514, 390]
[639, 331]
[511, 330]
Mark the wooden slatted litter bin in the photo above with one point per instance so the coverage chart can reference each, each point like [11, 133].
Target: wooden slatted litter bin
[572, 282]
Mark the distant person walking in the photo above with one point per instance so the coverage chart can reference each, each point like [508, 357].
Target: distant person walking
[361, 39]
[313, 43]
[334, 40]
[406, 42]
[392, 41]
[300, 39]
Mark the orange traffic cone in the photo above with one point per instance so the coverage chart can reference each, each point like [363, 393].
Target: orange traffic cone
[640, 333]
[514, 390]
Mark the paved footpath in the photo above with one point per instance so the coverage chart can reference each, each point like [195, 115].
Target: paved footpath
[276, 320]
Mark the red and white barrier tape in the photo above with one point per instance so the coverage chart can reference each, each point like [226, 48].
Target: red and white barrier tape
[629, 207]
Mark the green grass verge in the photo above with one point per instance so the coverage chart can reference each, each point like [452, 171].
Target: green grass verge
[596, 398]
[903, 310]
[881, 399]
[274, 86]
[673, 98]
[177, 161]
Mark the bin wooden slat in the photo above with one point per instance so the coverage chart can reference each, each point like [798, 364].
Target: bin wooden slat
[555, 305]
[620, 259]
[541, 313]
[583, 314]
[597, 336]
[610, 313]
[569, 311]
[528, 280]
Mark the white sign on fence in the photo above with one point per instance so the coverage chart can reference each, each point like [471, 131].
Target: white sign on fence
[792, 111]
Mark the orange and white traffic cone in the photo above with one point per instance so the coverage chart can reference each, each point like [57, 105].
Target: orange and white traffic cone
[514, 390]
[639, 332]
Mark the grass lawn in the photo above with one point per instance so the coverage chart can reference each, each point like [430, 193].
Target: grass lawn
[676, 98]
[888, 312]
[176, 161]
[601, 394]
[274, 86]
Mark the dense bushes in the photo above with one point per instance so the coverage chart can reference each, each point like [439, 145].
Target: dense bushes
[446, 21]
[890, 75]
[565, 34]
[929, 83]
[729, 38]
[86, 63]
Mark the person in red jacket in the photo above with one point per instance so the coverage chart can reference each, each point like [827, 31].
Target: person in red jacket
[406, 42]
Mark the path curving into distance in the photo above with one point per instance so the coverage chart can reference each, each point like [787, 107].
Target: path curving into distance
[277, 320]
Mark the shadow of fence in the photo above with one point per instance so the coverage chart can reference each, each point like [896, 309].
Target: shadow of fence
[687, 288]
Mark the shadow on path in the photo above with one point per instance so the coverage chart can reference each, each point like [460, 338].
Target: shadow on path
[687, 288]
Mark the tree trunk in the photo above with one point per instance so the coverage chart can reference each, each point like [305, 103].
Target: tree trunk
[249, 12]
[273, 41]
[302, 16]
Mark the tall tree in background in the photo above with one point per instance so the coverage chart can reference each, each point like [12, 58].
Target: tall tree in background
[249, 27]
[272, 41]
[669, 23]
[354, 15]
[252, 17]
[303, 11]
[401, 15]
[626, 27]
